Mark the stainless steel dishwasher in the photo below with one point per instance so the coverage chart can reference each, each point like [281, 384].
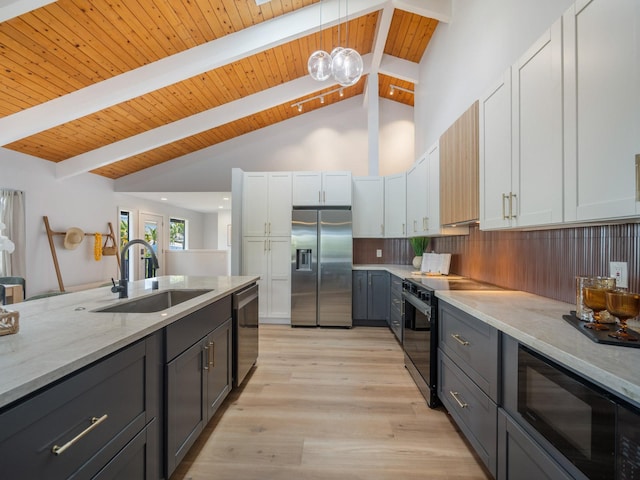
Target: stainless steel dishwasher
[245, 332]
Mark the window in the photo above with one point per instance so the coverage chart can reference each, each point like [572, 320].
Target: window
[125, 228]
[177, 234]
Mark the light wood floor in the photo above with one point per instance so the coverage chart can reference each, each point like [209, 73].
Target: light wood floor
[329, 404]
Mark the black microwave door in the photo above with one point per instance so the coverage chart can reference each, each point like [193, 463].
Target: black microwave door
[577, 418]
[628, 444]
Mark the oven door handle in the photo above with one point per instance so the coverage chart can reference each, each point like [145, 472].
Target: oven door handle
[420, 306]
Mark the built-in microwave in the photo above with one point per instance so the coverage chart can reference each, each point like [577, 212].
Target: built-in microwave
[593, 429]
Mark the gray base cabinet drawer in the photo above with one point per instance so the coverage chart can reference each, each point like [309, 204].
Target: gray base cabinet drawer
[132, 462]
[473, 411]
[472, 345]
[521, 458]
[77, 426]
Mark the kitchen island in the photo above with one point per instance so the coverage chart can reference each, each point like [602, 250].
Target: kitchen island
[101, 387]
[61, 334]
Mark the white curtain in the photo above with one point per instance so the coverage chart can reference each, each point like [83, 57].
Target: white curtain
[12, 215]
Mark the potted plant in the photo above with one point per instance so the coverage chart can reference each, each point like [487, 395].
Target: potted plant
[419, 245]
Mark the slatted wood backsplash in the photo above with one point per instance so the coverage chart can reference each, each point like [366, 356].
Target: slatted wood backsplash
[543, 262]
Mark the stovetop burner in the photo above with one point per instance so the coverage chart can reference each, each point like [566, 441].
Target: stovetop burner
[452, 283]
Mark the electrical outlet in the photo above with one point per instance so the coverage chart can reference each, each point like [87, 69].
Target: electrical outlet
[618, 270]
[379, 253]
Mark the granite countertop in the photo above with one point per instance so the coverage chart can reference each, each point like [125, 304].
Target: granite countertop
[537, 322]
[61, 334]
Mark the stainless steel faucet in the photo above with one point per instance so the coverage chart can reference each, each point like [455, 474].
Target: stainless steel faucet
[122, 287]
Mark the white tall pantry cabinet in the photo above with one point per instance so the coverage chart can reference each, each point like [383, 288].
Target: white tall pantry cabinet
[266, 245]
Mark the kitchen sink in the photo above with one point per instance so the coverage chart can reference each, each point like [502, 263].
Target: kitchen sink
[155, 302]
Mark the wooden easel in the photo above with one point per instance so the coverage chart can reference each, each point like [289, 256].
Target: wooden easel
[50, 235]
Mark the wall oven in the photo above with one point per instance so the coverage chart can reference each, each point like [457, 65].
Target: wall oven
[419, 338]
[595, 431]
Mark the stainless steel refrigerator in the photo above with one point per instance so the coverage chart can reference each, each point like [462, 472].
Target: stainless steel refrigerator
[321, 262]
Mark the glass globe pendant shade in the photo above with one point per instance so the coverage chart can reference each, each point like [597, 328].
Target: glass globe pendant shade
[335, 51]
[347, 67]
[319, 65]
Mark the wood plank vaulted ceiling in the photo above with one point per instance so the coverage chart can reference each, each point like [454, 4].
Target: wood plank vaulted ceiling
[117, 87]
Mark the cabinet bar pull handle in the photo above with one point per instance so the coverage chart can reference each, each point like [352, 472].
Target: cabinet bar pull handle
[269, 228]
[212, 357]
[205, 361]
[460, 403]
[265, 228]
[381, 229]
[504, 216]
[324, 196]
[457, 338]
[403, 232]
[95, 421]
[513, 197]
[265, 246]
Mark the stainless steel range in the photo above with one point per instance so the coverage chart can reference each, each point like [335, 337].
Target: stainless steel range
[420, 332]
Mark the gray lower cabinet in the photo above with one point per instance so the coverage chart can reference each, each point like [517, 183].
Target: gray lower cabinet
[198, 377]
[370, 297]
[395, 307]
[360, 295]
[468, 378]
[97, 423]
[521, 457]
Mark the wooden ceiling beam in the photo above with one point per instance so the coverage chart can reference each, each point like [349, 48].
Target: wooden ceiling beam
[192, 125]
[399, 68]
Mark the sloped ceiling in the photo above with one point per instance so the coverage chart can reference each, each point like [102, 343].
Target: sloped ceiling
[117, 87]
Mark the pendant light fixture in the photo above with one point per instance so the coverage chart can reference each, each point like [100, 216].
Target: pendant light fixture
[319, 63]
[344, 64]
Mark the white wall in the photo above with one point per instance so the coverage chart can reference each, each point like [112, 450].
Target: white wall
[330, 138]
[465, 56]
[86, 201]
[397, 138]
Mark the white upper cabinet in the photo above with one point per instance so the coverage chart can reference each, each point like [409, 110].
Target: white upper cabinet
[432, 221]
[495, 154]
[417, 198]
[266, 208]
[521, 155]
[395, 205]
[602, 109]
[536, 176]
[368, 207]
[321, 189]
